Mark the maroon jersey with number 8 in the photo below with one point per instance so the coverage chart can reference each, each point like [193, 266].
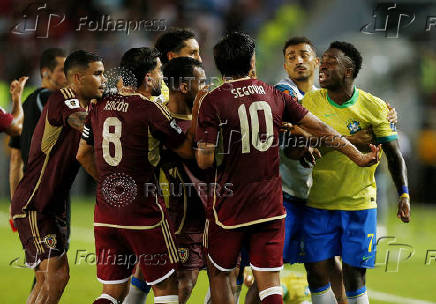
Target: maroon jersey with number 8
[126, 131]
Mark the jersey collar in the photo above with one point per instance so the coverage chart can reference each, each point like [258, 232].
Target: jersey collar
[348, 103]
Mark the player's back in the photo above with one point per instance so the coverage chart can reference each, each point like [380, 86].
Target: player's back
[249, 114]
[126, 142]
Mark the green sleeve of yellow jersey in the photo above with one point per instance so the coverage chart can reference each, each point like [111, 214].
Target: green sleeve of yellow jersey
[384, 131]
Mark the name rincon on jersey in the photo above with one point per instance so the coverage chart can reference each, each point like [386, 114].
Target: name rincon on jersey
[113, 105]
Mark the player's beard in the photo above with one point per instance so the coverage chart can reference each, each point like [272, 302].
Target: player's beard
[157, 88]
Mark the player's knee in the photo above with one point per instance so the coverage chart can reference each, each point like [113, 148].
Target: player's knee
[316, 277]
[185, 288]
[354, 277]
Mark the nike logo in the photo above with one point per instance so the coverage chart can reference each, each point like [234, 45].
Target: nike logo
[366, 258]
[329, 115]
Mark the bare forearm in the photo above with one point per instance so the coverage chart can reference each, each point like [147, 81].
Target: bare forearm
[88, 163]
[397, 167]
[15, 170]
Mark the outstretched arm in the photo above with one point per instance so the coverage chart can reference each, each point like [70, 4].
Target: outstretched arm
[328, 135]
[398, 170]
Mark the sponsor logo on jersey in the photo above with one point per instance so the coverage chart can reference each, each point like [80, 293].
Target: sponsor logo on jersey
[183, 254]
[72, 103]
[50, 241]
[353, 126]
[175, 126]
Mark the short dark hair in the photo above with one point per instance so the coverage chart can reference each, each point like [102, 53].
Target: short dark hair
[233, 54]
[80, 58]
[48, 58]
[172, 41]
[298, 40]
[140, 61]
[350, 51]
[178, 69]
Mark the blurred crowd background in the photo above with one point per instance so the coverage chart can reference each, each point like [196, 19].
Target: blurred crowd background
[399, 64]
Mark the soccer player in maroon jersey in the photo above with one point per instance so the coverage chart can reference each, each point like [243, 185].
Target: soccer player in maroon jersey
[237, 133]
[12, 123]
[176, 42]
[185, 77]
[38, 205]
[121, 149]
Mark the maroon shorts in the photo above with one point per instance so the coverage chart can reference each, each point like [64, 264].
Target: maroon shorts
[42, 236]
[264, 243]
[119, 250]
[190, 249]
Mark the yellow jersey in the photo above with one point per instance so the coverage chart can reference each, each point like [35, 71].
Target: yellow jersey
[338, 183]
[164, 95]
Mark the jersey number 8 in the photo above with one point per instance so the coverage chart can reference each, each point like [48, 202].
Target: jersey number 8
[114, 138]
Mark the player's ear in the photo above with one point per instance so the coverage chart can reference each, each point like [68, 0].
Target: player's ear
[171, 55]
[184, 88]
[349, 72]
[44, 72]
[317, 61]
[147, 80]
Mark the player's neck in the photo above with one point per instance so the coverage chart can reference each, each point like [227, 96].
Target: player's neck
[341, 94]
[84, 102]
[177, 105]
[45, 84]
[305, 85]
[143, 91]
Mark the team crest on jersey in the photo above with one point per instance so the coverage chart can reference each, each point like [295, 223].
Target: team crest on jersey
[50, 241]
[183, 254]
[72, 103]
[353, 126]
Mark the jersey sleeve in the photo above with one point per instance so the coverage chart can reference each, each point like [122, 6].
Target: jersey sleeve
[294, 112]
[164, 127]
[208, 122]
[60, 106]
[384, 131]
[285, 88]
[5, 120]
[88, 133]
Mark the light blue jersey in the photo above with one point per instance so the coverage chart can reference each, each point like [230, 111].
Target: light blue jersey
[296, 179]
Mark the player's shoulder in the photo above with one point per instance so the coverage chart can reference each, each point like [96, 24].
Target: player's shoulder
[315, 96]
[371, 101]
[65, 96]
[285, 85]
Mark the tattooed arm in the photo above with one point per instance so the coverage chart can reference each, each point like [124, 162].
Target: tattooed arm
[77, 120]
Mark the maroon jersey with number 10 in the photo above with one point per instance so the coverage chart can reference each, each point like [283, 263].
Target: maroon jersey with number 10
[242, 118]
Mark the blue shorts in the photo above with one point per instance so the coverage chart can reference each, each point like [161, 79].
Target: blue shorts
[349, 234]
[294, 246]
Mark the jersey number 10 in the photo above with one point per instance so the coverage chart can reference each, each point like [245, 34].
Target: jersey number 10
[257, 143]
